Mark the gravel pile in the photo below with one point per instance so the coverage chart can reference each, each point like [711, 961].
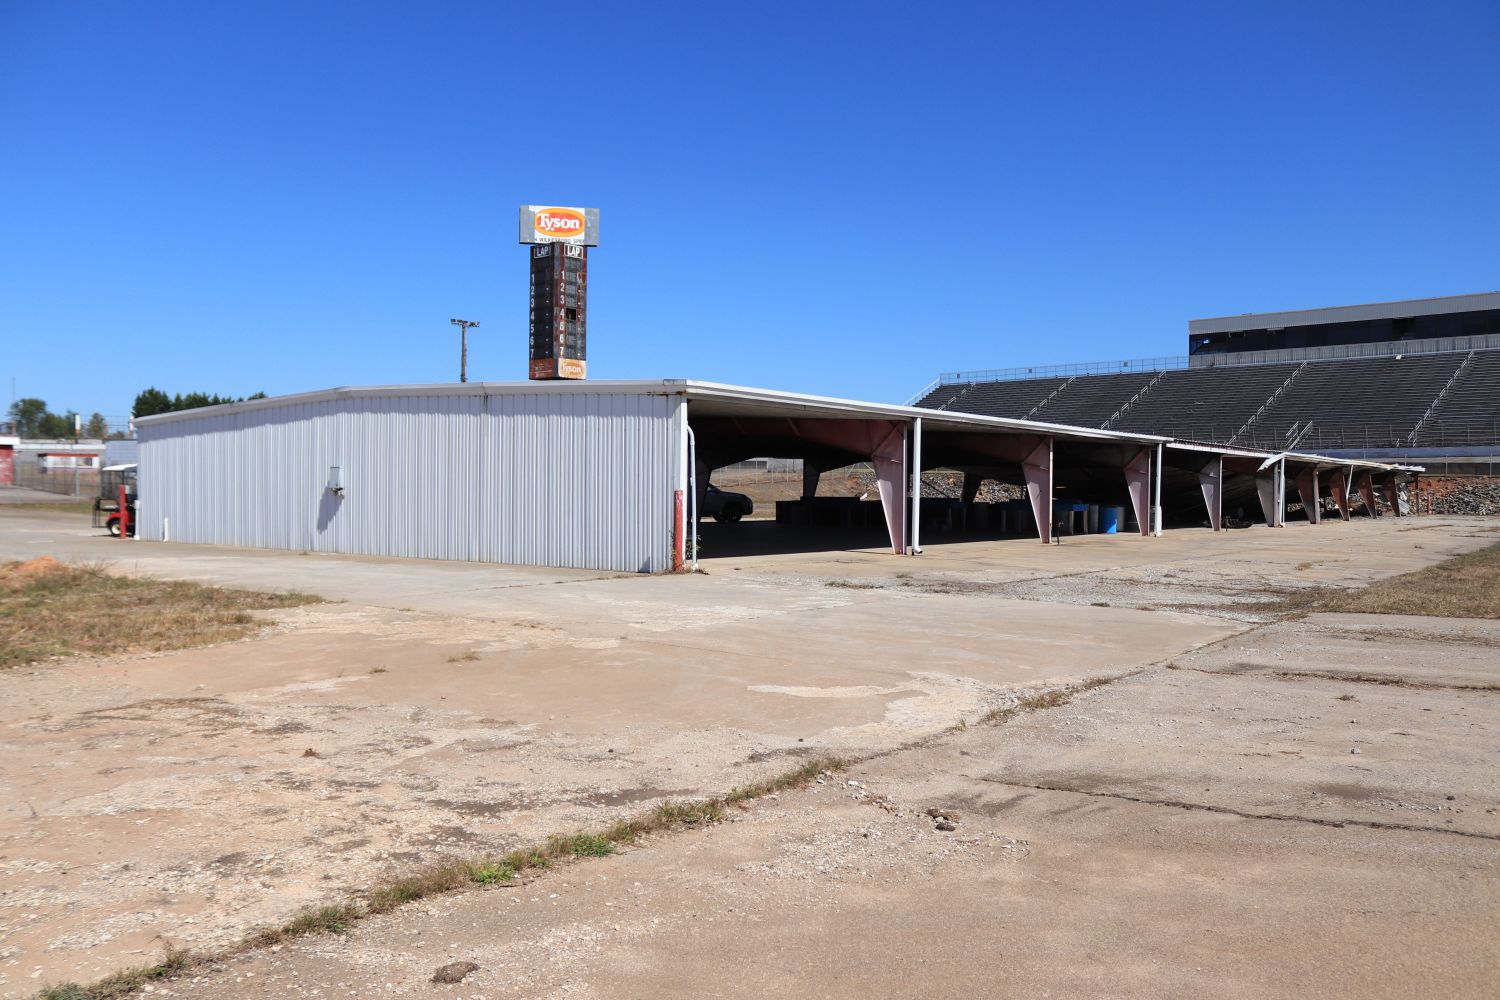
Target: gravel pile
[1467, 495]
[950, 486]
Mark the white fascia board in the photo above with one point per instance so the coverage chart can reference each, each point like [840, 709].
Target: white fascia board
[1228, 451]
[897, 411]
[690, 389]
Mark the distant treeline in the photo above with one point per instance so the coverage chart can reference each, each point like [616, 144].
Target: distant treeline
[153, 400]
[32, 419]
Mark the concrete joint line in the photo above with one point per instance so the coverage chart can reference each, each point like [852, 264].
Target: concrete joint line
[1319, 675]
[1368, 824]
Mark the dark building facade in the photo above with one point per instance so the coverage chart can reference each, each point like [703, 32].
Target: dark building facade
[1379, 322]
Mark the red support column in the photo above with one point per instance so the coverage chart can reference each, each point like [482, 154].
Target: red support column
[1211, 479]
[1036, 466]
[1338, 488]
[1391, 496]
[1366, 487]
[1138, 484]
[1265, 488]
[889, 459]
[810, 476]
[1307, 491]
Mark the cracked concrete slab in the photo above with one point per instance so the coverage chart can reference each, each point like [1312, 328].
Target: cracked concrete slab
[454, 709]
[1143, 873]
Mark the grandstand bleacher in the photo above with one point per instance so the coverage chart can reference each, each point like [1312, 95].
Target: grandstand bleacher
[1469, 412]
[1440, 399]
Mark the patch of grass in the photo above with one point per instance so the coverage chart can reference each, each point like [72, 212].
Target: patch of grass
[322, 920]
[493, 873]
[686, 813]
[1043, 699]
[61, 506]
[50, 608]
[1466, 586]
[451, 876]
[581, 845]
[795, 778]
[467, 656]
[122, 983]
[851, 584]
[430, 882]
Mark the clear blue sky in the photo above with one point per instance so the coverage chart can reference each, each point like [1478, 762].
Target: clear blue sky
[823, 197]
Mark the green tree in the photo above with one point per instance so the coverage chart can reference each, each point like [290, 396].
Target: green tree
[28, 415]
[56, 425]
[96, 426]
[153, 400]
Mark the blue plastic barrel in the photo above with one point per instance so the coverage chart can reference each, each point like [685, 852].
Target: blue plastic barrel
[1109, 520]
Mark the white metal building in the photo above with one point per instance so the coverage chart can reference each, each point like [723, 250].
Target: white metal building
[595, 475]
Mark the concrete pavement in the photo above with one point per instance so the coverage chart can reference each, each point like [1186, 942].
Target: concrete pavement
[454, 709]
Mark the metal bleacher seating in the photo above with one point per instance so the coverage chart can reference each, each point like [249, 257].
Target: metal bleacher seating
[1204, 404]
[1368, 402]
[1000, 399]
[1090, 400]
[1469, 413]
[1375, 402]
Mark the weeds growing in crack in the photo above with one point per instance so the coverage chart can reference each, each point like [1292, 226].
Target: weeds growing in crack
[452, 876]
[1041, 700]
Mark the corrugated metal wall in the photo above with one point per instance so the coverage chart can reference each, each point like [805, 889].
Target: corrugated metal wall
[546, 479]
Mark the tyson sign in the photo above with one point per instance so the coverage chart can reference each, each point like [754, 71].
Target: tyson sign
[559, 224]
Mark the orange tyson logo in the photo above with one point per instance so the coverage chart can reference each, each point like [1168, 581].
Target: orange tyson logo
[558, 222]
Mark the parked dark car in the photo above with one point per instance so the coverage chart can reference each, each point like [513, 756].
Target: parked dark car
[724, 507]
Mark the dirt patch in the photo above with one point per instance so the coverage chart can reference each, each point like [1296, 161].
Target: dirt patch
[1347, 792]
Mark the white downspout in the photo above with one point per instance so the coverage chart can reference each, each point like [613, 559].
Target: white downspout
[1278, 507]
[916, 487]
[1156, 502]
[693, 497]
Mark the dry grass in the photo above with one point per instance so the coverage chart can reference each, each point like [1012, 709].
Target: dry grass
[1043, 699]
[83, 507]
[1466, 586]
[49, 608]
[451, 876]
[122, 983]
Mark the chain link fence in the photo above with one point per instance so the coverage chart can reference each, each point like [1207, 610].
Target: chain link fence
[75, 481]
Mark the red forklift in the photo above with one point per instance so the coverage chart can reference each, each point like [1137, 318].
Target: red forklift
[115, 482]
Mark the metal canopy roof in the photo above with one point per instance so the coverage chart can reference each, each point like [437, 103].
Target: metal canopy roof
[709, 399]
[1268, 457]
[719, 399]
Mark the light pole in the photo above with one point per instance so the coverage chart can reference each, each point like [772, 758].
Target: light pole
[463, 346]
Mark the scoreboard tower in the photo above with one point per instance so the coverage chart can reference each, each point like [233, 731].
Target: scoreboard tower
[559, 311]
[560, 239]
